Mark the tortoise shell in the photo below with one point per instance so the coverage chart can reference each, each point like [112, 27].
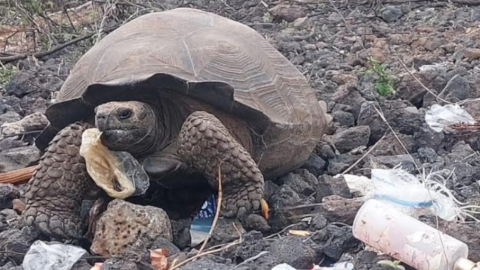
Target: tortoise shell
[206, 56]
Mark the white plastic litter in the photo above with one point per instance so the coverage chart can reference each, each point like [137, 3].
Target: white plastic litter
[360, 185]
[440, 117]
[51, 256]
[413, 195]
[407, 239]
[336, 266]
[283, 266]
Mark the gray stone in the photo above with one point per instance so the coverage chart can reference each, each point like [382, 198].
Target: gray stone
[257, 222]
[427, 137]
[345, 119]
[9, 116]
[32, 122]
[388, 162]
[8, 193]
[402, 116]
[181, 232]
[124, 224]
[293, 251]
[335, 240]
[298, 184]
[315, 164]
[14, 244]
[270, 189]
[335, 17]
[391, 146]
[341, 163]
[81, 264]
[351, 138]
[433, 44]
[225, 231]
[253, 243]
[18, 158]
[9, 213]
[11, 266]
[338, 186]
[457, 89]
[318, 222]
[203, 264]
[284, 197]
[325, 151]
[427, 154]
[339, 209]
[165, 243]
[368, 260]
[391, 13]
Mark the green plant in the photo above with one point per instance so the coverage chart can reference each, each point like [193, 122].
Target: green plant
[394, 264]
[384, 83]
[267, 17]
[6, 74]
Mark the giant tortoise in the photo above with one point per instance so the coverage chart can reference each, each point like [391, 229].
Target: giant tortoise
[185, 92]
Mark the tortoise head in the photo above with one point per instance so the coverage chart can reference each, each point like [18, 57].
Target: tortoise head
[127, 126]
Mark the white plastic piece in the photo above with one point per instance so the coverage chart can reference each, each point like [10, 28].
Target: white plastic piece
[440, 117]
[361, 185]
[118, 173]
[51, 256]
[405, 238]
[283, 266]
[336, 266]
[415, 195]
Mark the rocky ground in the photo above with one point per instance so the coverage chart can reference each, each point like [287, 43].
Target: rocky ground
[333, 46]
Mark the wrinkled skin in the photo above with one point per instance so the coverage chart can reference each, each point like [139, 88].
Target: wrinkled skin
[182, 143]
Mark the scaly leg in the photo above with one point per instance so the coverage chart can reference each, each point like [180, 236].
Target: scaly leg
[205, 143]
[58, 186]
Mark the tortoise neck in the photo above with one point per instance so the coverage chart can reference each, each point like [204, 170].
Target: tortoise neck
[170, 112]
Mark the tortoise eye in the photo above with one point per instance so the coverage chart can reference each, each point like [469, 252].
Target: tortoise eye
[124, 114]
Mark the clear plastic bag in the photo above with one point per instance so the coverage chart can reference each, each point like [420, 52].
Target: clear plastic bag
[116, 172]
[440, 117]
[414, 196]
[51, 256]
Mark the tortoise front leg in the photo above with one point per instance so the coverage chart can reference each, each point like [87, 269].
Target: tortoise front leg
[204, 143]
[55, 192]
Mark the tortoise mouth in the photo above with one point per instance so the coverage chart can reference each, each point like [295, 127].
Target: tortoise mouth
[121, 139]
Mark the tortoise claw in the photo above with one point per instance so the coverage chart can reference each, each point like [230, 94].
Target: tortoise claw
[54, 224]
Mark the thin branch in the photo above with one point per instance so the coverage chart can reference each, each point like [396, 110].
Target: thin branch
[69, 19]
[396, 137]
[217, 214]
[416, 79]
[239, 241]
[364, 155]
[13, 58]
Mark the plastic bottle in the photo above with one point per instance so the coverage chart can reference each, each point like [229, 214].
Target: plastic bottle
[409, 240]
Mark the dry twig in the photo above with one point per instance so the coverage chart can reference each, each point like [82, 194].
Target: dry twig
[416, 79]
[364, 155]
[8, 59]
[217, 213]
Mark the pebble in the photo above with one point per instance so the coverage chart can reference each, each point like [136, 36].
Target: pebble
[472, 53]
[391, 13]
[351, 138]
[293, 251]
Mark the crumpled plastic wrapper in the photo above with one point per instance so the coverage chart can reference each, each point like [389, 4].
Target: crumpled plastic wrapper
[51, 256]
[116, 172]
[439, 118]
